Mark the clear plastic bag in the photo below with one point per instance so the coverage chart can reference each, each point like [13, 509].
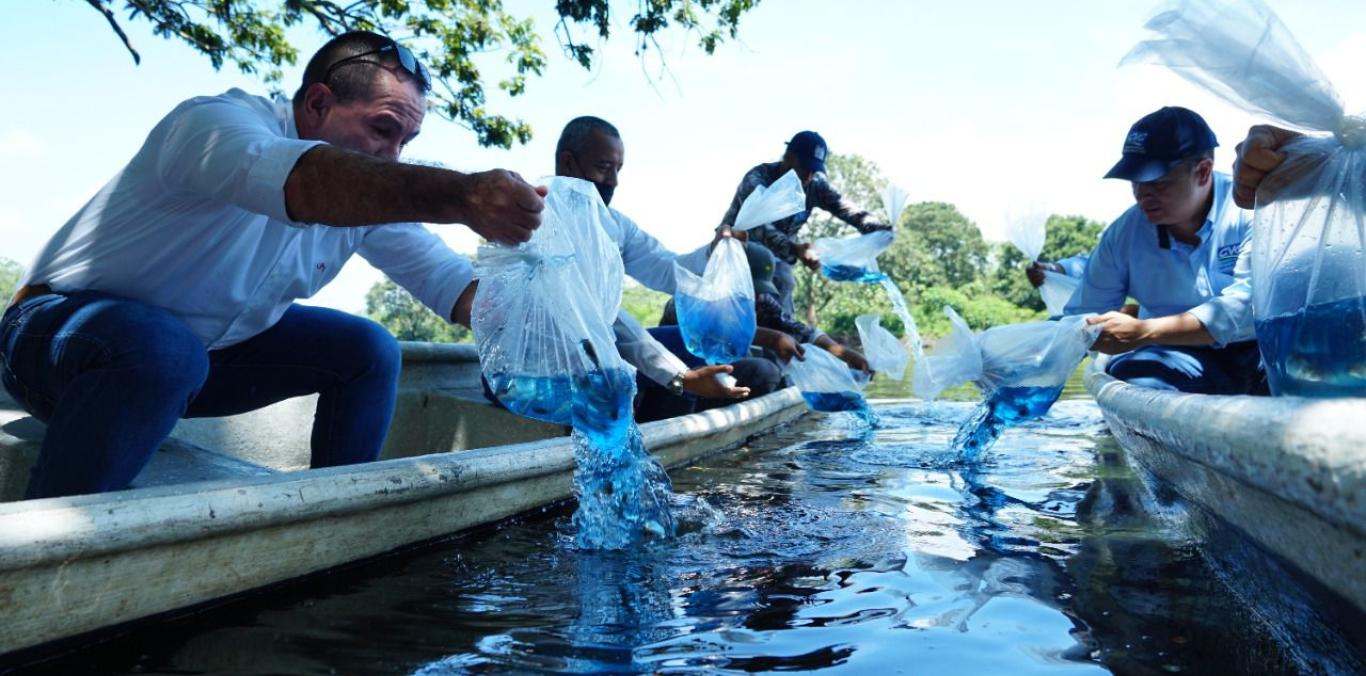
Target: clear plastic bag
[1308, 264]
[1028, 232]
[1056, 290]
[894, 200]
[853, 259]
[543, 313]
[826, 383]
[883, 351]
[1035, 355]
[767, 204]
[716, 311]
[1020, 368]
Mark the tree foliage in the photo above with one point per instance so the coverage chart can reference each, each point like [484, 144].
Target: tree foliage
[406, 318]
[10, 272]
[643, 303]
[453, 37]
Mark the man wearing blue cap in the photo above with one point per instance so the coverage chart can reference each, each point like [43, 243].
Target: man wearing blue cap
[1182, 252]
[806, 154]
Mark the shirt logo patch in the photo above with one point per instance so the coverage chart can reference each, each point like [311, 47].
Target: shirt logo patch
[1228, 257]
[1134, 143]
[322, 267]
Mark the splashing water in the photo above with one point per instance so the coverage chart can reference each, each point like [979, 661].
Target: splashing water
[623, 492]
[899, 307]
[1007, 406]
[719, 331]
[851, 273]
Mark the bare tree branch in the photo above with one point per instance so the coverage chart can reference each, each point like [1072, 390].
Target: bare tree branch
[118, 30]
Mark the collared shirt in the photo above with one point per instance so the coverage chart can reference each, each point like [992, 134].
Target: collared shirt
[647, 261]
[1209, 280]
[196, 224]
[779, 235]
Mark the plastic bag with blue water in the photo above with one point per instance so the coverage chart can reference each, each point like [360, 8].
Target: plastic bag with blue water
[827, 384]
[716, 311]
[853, 259]
[1308, 262]
[542, 321]
[1019, 368]
[884, 352]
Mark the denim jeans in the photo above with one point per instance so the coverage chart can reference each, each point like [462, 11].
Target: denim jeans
[111, 376]
[1233, 369]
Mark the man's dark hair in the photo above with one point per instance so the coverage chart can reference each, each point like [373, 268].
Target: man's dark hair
[578, 130]
[353, 80]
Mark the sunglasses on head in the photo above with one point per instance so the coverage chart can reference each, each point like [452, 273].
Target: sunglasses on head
[406, 60]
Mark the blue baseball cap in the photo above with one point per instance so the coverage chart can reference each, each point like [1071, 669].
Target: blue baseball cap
[1159, 141]
[809, 149]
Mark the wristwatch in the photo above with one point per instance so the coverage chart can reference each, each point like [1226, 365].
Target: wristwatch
[675, 384]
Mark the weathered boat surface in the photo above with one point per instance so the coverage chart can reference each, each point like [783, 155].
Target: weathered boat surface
[1287, 471]
[225, 507]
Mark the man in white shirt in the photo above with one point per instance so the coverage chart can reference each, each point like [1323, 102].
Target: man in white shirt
[170, 293]
[1182, 251]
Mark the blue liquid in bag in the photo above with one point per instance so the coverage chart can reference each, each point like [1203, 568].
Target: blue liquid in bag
[1319, 351]
[850, 273]
[719, 331]
[1007, 406]
[546, 398]
[832, 402]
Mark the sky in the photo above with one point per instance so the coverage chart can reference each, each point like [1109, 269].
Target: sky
[996, 106]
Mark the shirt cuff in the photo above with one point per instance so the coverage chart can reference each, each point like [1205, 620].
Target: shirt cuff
[1222, 327]
[267, 176]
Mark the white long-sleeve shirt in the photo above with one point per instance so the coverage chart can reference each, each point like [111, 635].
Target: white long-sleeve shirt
[196, 224]
[1210, 280]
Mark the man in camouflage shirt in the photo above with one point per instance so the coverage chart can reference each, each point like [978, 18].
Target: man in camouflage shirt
[806, 154]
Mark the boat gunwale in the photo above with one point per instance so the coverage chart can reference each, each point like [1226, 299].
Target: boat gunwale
[144, 517]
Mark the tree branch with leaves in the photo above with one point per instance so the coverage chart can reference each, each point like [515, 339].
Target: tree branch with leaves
[450, 36]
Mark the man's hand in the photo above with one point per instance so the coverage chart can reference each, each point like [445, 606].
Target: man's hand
[851, 357]
[785, 346]
[502, 207]
[1263, 170]
[808, 257]
[701, 382]
[1036, 269]
[1120, 333]
[464, 305]
[726, 231]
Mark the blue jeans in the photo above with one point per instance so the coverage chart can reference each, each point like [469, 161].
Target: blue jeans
[111, 377]
[1233, 369]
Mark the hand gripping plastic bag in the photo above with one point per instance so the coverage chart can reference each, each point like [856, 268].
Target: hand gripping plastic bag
[1308, 262]
[1020, 368]
[894, 200]
[826, 383]
[767, 204]
[1056, 290]
[716, 311]
[884, 352]
[853, 259]
[543, 313]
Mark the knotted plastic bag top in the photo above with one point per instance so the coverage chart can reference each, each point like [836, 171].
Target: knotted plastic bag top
[767, 204]
[884, 352]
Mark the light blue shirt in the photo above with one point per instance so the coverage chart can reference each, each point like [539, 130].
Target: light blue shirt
[196, 224]
[1209, 280]
[1074, 266]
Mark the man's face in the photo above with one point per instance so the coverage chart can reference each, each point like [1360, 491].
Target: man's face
[1176, 198]
[599, 160]
[379, 127]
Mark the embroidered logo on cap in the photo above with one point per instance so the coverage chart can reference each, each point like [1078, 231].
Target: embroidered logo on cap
[1134, 144]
